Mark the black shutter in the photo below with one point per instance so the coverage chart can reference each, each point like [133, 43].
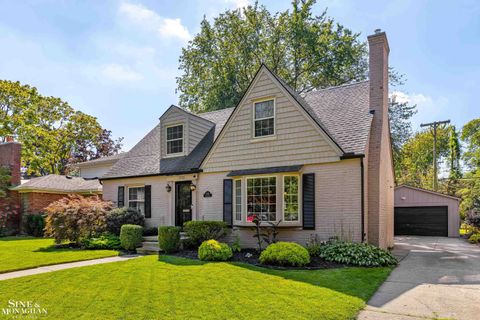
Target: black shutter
[121, 197]
[228, 201]
[308, 204]
[148, 201]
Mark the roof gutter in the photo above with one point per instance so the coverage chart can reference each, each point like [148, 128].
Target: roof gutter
[351, 155]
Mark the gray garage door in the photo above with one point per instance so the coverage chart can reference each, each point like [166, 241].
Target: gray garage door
[421, 221]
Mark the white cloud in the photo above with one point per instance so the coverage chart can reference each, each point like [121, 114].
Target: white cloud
[148, 19]
[119, 72]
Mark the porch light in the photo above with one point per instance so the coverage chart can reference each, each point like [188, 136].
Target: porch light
[193, 187]
[168, 187]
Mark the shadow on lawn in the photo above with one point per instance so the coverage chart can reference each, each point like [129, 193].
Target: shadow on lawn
[357, 282]
[13, 238]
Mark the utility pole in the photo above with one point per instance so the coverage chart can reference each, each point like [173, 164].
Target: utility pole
[434, 125]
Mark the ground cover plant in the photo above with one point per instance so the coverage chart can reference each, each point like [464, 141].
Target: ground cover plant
[17, 253]
[146, 288]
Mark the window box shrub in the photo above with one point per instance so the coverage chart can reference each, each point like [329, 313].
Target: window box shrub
[197, 232]
[131, 236]
[120, 216]
[212, 250]
[358, 254]
[169, 238]
[285, 254]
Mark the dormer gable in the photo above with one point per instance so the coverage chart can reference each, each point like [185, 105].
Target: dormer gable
[181, 131]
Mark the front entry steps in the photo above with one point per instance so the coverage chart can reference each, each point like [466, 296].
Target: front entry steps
[150, 244]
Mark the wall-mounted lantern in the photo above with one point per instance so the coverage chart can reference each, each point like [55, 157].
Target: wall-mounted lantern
[193, 187]
[168, 187]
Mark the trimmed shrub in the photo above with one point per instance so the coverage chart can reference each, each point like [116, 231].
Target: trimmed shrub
[34, 224]
[117, 217]
[285, 254]
[131, 236]
[212, 250]
[153, 231]
[105, 241]
[358, 254]
[199, 231]
[474, 238]
[169, 238]
[75, 217]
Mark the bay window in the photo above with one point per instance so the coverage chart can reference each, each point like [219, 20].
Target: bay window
[290, 198]
[262, 199]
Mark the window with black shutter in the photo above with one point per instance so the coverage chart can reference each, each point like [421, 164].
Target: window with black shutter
[121, 197]
[228, 201]
[308, 199]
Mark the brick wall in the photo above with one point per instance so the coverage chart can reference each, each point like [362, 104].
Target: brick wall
[33, 202]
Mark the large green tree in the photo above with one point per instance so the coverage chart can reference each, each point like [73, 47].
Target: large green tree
[305, 50]
[471, 137]
[52, 133]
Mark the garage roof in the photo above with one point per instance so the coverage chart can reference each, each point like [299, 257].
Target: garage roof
[428, 191]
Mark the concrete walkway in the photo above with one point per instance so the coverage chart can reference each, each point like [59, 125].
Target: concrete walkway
[437, 278]
[69, 265]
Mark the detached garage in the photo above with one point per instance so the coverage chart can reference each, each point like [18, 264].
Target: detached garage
[423, 212]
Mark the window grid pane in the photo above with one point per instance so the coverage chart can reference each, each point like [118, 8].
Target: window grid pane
[175, 139]
[238, 200]
[264, 127]
[290, 198]
[136, 198]
[262, 199]
[264, 118]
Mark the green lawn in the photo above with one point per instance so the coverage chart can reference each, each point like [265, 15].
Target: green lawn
[23, 253]
[176, 288]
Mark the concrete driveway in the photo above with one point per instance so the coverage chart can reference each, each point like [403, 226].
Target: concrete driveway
[436, 278]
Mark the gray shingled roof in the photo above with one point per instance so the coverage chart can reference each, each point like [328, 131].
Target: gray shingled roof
[342, 112]
[108, 159]
[345, 112]
[58, 183]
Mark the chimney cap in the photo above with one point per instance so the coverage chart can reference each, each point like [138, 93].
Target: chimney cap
[378, 30]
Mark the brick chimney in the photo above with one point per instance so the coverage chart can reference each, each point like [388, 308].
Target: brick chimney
[380, 164]
[10, 156]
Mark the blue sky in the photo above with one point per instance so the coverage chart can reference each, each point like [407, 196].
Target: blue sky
[117, 60]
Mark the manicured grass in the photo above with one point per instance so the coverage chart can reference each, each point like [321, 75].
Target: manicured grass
[177, 288]
[23, 253]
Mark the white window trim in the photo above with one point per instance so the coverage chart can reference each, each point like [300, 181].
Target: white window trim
[235, 200]
[127, 195]
[274, 118]
[276, 196]
[183, 140]
[299, 195]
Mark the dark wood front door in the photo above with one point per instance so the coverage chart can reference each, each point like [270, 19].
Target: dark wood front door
[421, 221]
[183, 202]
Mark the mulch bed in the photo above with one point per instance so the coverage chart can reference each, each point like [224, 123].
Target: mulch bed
[250, 256]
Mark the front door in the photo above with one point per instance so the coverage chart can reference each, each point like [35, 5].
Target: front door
[183, 202]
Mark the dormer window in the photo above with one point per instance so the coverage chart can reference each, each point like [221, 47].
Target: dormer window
[264, 118]
[175, 139]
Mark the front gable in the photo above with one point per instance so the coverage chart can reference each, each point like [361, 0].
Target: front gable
[296, 140]
[195, 129]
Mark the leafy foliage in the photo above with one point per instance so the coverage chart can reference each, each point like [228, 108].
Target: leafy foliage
[169, 238]
[120, 216]
[212, 250]
[285, 254]
[74, 218]
[52, 133]
[4, 181]
[131, 236]
[265, 234]
[305, 50]
[105, 241]
[473, 217]
[200, 231]
[9, 216]
[34, 224]
[474, 238]
[358, 254]
[471, 137]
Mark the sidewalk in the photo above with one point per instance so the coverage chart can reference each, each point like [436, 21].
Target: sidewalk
[62, 266]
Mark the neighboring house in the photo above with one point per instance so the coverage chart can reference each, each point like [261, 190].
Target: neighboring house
[321, 163]
[98, 167]
[37, 193]
[424, 212]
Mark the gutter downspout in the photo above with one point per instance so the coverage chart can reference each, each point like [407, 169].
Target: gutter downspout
[362, 200]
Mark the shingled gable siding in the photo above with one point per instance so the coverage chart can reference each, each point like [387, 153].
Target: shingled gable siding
[297, 140]
[194, 128]
[337, 202]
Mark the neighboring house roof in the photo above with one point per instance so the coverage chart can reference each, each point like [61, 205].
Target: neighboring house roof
[341, 112]
[54, 183]
[101, 161]
[428, 191]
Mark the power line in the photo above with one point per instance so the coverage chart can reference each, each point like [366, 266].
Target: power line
[434, 125]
